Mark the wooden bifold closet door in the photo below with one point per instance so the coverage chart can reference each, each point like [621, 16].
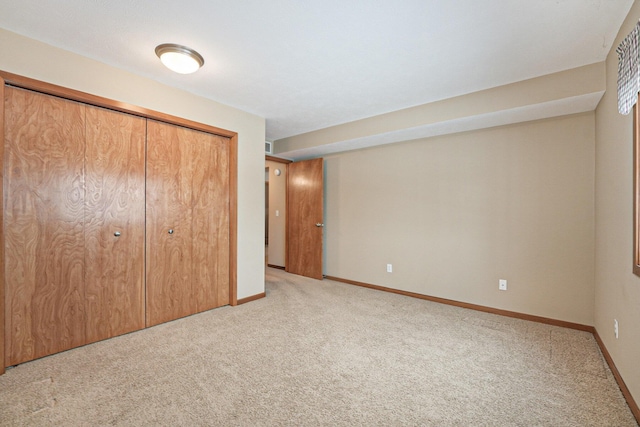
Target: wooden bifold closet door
[112, 221]
[187, 222]
[74, 224]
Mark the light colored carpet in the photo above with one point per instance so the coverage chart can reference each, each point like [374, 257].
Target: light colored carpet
[324, 353]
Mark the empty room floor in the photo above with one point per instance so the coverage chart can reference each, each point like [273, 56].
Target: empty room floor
[324, 353]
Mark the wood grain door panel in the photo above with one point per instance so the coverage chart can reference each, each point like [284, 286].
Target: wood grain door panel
[188, 192]
[44, 210]
[304, 211]
[210, 221]
[168, 225]
[115, 203]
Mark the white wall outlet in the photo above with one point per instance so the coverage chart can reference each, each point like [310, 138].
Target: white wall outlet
[502, 284]
[615, 327]
[389, 268]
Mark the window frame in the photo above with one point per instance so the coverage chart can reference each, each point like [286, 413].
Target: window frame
[636, 188]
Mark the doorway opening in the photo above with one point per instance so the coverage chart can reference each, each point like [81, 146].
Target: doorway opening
[275, 211]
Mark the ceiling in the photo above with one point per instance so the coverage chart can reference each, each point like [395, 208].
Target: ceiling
[308, 65]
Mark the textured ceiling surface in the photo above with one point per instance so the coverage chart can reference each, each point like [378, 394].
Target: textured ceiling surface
[307, 65]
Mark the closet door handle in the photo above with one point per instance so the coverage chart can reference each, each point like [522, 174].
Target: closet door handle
[171, 231]
[117, 234]
[319, 224]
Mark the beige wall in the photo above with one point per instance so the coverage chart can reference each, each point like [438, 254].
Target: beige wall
[454, 214]
[617, 292]
[30, 58]
[566, 92]
[277, 202]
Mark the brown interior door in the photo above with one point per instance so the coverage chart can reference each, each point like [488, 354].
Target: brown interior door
[187, 222]
[114, 223]
[168, 225]
[210, 220]
[305, 218]
[44, 229]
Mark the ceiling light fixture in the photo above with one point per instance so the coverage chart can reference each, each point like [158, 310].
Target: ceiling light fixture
[180, 59]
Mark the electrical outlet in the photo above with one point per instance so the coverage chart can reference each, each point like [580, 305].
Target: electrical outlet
[615, 327]
[502, 284]
[389, 268]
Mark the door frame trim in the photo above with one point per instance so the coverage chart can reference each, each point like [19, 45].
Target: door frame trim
[285, 163]
[98, 101]
[18, 81]
[2, 285]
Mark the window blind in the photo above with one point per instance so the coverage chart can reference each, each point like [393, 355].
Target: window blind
[628, 71]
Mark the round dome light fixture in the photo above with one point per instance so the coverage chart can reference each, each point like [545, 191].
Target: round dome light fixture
[179, 59]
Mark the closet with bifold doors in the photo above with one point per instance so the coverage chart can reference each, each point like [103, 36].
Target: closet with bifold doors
[113, 220]
[187, 222]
